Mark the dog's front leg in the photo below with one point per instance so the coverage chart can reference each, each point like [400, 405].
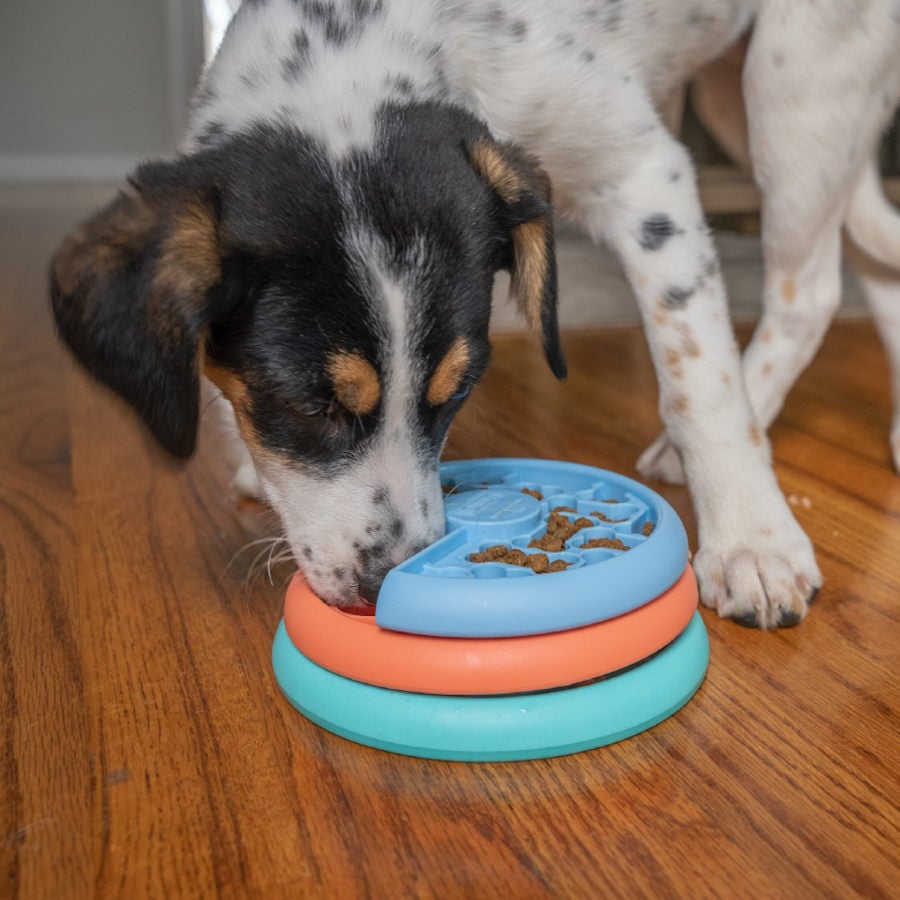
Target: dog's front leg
[218, 416]
[754, 562]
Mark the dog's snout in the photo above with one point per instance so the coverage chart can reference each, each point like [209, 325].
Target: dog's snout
[371, 578]
[370, 586]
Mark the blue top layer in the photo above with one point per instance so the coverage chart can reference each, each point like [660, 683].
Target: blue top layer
[441, 592]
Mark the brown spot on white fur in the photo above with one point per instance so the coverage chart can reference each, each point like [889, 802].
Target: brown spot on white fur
[445, 381]
[673, 357]
[355, 381]
[689, 346]
[673, 363]
[766, 370]
[756, 437]
[679, 403]
[788, 290]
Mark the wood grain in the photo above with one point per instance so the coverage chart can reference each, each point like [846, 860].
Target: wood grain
[147, 750]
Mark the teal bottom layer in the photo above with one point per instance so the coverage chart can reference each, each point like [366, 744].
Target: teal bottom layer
[497, 728]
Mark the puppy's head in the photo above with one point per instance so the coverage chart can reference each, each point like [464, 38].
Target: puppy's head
[341, 306]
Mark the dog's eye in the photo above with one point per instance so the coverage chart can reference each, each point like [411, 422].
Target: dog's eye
[462, 393]
[314, 407]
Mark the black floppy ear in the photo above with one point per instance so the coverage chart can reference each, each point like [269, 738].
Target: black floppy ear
[132, 292]
[523, 192]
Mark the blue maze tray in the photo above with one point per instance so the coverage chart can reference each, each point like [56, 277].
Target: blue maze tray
[440, 591]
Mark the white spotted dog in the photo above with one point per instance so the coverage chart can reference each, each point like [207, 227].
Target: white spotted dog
[323, 251]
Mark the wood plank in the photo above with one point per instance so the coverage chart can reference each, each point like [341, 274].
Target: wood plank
[148, 751]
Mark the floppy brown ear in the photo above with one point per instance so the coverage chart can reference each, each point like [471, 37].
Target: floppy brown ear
[132, 295]
[523, 192]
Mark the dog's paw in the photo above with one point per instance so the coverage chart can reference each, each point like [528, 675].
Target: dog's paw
[770, 585]
[661, 461]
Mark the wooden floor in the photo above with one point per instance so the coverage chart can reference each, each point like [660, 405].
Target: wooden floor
[147, 750]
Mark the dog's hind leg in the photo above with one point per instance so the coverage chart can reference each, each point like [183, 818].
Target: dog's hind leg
[818, 92]
[819, 88]
[754, 562]
[881, 286]
[874, 253]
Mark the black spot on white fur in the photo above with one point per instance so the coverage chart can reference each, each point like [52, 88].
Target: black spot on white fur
[338, 25]
[677, 297]
[655, 231]
[296, 63]
[518, 29]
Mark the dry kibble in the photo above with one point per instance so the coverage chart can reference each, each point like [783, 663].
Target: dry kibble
[647, 530]
[559, 529]
[489, 555]
[539, 563]
[536, 494]
[603, 517]
[607, 543]
[514, 558]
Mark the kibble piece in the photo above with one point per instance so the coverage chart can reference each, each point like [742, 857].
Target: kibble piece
[557, 522]
[603, 517]
[489, 555]
[513, 558]
[559, 529]
[563, 509]
[531, 493]
[549, 542]
[558, 565]
[647, 530]
[608, 543]
[538, 563]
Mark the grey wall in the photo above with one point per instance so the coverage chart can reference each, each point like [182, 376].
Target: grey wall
[89, 87]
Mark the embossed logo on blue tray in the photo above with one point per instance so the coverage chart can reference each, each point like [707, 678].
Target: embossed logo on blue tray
[496, 505]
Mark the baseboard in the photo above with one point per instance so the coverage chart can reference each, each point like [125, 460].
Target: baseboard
[32, 168]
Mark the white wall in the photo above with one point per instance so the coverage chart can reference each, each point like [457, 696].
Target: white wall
[88, 88]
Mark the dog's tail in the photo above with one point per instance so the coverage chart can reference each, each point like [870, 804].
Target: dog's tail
[872, 221]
